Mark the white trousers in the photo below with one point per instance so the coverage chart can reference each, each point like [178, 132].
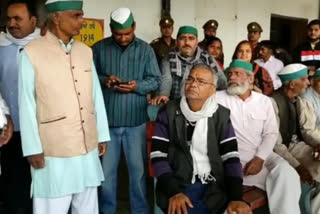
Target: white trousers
[282, 187]
[282, 184]
[279, 180]
[302, 152]
[81, 203]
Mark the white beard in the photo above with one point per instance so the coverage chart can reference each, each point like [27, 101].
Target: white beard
[238, 89]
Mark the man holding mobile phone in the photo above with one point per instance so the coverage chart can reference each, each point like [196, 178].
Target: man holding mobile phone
[128, 70]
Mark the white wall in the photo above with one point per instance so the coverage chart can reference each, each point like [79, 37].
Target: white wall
[146, 14]
[232, 15]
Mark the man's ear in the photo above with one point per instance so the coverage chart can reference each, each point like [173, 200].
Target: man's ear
[55, 18]
[34, 21]
[134, 26]
[214, 89]
[292, 84]
[251, 79]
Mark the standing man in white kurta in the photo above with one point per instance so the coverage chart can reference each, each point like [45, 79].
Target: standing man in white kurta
[62, 115]
[256, 129]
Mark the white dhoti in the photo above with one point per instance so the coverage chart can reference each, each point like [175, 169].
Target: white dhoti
[80, 203]
[315, 200]
[279, 180]
[303, 153]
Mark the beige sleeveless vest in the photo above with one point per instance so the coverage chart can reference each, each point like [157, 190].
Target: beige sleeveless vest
[63, 92]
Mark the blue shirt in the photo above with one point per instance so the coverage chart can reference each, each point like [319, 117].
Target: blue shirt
[9, 80]
[136, 62]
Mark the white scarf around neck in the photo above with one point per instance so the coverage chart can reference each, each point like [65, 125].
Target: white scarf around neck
[3, 111]
[3, 119]
[7, 39]
[199, 145]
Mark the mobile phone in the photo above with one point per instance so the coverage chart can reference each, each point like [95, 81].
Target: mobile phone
[122, 83]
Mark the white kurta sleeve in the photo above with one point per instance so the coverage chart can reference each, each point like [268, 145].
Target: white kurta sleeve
[100, 110]
[30, 138]
[3, 106]
[270, 133]
[4, 110]
[307, 121]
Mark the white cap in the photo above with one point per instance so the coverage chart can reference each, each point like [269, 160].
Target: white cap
[293, 72]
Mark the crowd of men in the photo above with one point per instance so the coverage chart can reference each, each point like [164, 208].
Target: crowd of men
[67, 111]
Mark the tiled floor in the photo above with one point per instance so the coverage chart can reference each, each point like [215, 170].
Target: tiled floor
[123, 193]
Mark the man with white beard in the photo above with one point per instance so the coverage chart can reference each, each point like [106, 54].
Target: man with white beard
[256, 130]
[294, 146]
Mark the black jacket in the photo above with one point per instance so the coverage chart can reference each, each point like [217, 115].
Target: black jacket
[305, 55]
[180, 159]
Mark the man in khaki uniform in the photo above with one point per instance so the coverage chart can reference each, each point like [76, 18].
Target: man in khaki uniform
[209, 30]
[164, 44]
[254, 35]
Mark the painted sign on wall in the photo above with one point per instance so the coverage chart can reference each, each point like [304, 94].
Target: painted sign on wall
[91, 32]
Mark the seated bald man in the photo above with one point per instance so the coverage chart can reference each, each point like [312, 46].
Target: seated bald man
[194, 152]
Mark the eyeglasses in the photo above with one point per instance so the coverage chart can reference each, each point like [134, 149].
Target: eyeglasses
[190, 80]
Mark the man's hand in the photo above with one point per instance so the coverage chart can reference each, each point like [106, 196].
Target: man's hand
[7, 132]
[157, 100]
[126, 88]
[36, 161]
[102, 148]
[238, 207]
[177, 204]
[316, 153]
[253, 167]
[305, 175]
[111, 80]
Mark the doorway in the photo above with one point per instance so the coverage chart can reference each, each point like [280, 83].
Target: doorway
[288, 32]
